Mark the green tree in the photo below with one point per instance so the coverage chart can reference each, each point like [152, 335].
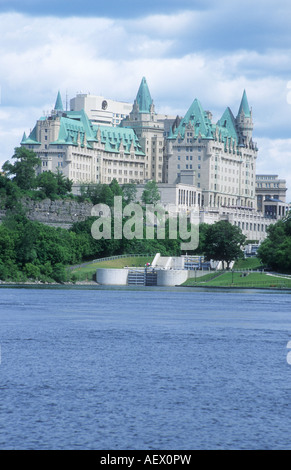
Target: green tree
[223, 242]
[129, 193]
[23, 169]
[47, 183]
[10, 193]
[275, 250]
[64, 184]
[151, 193]
[115, 188]
[53, 185]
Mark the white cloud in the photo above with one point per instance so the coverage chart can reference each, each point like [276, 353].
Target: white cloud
[274, 158]
[166, 25]
[41, 55]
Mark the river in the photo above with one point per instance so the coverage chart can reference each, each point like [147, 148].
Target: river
[144, 368]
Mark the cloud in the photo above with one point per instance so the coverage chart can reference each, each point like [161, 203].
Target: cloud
[182, 55]
[274, 158]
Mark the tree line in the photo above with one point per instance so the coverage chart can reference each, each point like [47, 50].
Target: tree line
[275, 250]
[31, 250]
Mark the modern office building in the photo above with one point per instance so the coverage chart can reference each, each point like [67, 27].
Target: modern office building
[101, 110]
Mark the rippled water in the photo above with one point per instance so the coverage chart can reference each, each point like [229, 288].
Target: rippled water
[144, 369]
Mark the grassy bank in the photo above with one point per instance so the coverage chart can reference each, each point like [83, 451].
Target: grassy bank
[239, 279]
[248, 263]
[87, 273]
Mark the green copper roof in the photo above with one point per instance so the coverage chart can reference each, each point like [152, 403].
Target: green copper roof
[77, 129]
[198, 122]
[59, 103]
[227, 122]
[24, 138]
[143, 97]
[244, 105]
[31, 139]
[196, 118]
[114, 137]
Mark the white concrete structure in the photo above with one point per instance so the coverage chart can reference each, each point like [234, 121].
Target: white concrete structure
[101, 110]
[167, 271]
[112, 277]
[171, 277]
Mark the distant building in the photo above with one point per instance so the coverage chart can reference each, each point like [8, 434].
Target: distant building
[100, 110]
[271, 196]
[177, 197]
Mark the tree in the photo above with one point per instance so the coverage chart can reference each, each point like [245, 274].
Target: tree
[53, 185]
[115, 188]
[275, 250]
[129, 193]
[23, 169]
[64, 184]
[223, 242]
[47, 183]
[10, 193]
[151, 193]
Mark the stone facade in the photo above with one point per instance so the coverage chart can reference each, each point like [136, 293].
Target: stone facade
[223, 156]
[86, 153]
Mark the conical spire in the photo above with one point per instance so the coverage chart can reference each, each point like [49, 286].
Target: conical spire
[143, 97]
[59, 103]
[244, 106]
[24, 138]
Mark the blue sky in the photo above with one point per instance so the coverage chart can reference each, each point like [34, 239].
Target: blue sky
[186, 49]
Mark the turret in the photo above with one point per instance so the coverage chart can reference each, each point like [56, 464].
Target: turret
[244, 121]
[143, 102]
[58, 109]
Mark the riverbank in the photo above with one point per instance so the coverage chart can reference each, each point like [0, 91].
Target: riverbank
[247, 280]
[47, 284]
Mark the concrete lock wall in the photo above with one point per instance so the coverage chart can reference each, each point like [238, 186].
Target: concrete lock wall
[112, 277]
[171, 277]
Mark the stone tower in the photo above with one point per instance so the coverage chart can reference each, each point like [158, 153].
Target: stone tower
[149, 130]
[244, 122]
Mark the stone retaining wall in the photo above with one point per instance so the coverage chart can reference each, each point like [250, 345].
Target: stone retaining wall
[59, 213]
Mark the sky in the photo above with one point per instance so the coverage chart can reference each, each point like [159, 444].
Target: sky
[186, 49]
